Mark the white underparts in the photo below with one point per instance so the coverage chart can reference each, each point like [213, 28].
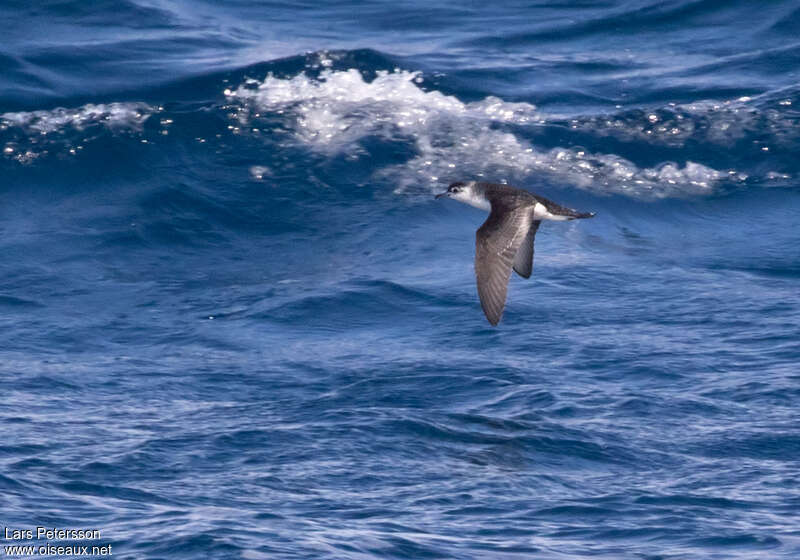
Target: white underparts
[540, 212]
[467, 195]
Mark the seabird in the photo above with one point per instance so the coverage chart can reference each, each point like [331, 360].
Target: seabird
[505, 240]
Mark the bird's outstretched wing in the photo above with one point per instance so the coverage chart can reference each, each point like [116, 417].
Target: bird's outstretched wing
[523, 261]
[496, 245]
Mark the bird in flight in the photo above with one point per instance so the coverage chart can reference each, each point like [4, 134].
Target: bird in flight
[505, 240]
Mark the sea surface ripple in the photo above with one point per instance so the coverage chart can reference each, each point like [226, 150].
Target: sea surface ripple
[235, 323]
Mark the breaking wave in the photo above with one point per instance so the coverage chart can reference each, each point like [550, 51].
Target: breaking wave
[336, 111]
[339, 110]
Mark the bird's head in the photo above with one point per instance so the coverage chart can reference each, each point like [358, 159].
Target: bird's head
[461, 191]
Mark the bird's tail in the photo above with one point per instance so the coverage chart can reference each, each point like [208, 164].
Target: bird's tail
[558, 212]
[570, 214]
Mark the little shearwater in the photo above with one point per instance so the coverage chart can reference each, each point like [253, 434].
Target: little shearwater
[505, 240]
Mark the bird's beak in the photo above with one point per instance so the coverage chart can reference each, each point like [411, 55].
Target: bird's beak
[440, 195]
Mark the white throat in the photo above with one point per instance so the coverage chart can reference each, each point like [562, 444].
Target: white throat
[467, 195]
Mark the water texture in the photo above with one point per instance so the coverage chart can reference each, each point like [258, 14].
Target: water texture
[235, 324]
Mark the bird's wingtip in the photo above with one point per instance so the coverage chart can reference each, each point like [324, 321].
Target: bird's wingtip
[493, 320]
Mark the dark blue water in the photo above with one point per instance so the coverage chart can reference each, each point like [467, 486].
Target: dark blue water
[235, 323]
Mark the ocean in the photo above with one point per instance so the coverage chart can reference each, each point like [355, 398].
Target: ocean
[236, 324]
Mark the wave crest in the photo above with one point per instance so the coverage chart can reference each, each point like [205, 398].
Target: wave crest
[339, 110]
[27, 135]
[111, 115]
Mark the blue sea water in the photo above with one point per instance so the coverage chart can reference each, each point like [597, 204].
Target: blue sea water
[236, 324]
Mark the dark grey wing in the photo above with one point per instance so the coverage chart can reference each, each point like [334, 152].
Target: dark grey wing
[523, 261]
[496, 245]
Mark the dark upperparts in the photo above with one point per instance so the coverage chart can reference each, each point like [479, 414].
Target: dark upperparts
[510, 196]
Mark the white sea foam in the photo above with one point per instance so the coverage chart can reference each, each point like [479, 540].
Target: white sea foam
[721, 123]
[258, 172]
[111, 115]
[452, 139]
[30, 135]
[341, 107]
